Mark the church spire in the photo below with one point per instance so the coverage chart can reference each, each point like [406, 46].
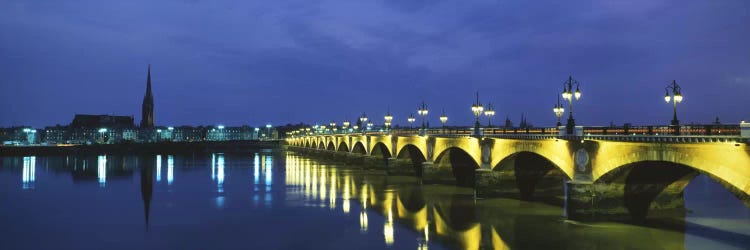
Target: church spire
[148, 81]
[147, 115]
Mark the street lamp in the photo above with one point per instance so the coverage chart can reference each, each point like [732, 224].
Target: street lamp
[568, 94]
[411, 120]
[388, 118]
[477, 109]
[345, 123]
[333, 126]
[489, 112]
[362, 120]
[559, 110]
[676, 98]
[422, 111]
[443, 120]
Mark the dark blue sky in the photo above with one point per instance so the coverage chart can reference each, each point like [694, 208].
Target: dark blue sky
[242, 62]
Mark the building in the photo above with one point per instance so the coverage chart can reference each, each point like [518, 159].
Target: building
[22, 135]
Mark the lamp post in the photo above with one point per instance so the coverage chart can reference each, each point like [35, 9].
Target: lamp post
[411, 120]
[388, 118]
[443, 120]
[675, 98]
[477, 109]
[422, 111]
[568, 94]
[333, 126]
[559, 110]
[489, 112]
[362, 120]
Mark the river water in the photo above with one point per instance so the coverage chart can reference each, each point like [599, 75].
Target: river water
[282, 200]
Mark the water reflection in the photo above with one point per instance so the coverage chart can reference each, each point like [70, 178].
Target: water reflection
[147, 184]
[158, 168]
[28, 174]
[101, 170]
[412, 215]
[451, 214]
[170, 170]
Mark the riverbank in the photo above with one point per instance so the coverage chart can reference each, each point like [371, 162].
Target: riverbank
[160, 147]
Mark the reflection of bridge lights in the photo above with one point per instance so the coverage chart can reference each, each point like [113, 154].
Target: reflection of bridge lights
[347, 194]
[332, 190]
[323, 184]
[346, 206]
[388, 227]
[363, 221]
[314, 183]
[388, 233]
[427, 233]
[364, 196]
[29, 172]
[158, 168]
[170, 169]
[102, 170]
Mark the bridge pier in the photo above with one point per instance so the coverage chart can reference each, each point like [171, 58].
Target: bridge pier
[433, 174]
[586, 201]
[401, 167]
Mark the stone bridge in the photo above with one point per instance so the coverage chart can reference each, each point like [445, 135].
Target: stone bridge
[601, 177]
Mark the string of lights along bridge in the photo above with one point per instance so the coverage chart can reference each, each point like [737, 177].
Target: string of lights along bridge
[571, 92]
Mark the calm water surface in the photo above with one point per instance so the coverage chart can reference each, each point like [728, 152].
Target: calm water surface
[280, 200]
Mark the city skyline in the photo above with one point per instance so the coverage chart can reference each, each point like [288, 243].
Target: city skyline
[258, 63]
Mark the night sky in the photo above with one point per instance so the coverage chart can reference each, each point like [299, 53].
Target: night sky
[253, 62]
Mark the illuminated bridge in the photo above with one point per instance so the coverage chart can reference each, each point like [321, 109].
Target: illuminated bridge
[601, 173]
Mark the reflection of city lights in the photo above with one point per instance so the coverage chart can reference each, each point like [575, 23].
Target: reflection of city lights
[256, 169]
[170, 169]
[213, 166]
[29, 172]
[102, 170]
[363, 221]
[269, 173]
[220, 173]
[158, 168]
[220, 202]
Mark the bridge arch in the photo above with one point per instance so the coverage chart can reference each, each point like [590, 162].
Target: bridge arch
[461, 163]
[415, 155]
[558, 152]
[380, 150]
[359, 148]
[343, 147]
[530, 176]
[726, 163]
[381, 141]
[331, 146]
